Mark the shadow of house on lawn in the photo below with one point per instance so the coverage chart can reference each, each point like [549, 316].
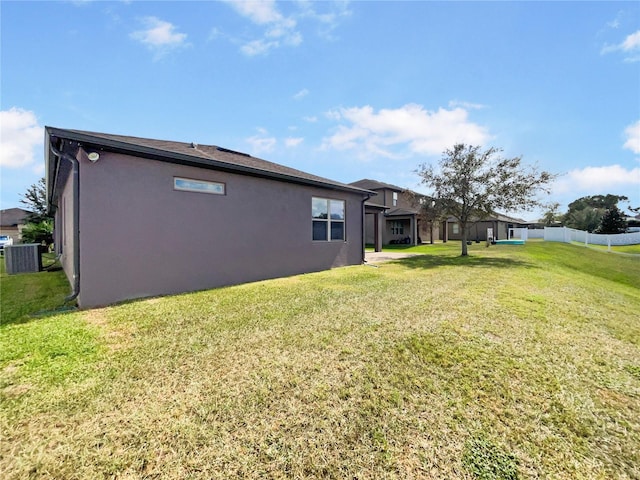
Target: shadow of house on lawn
[29, 313]
[435, 261]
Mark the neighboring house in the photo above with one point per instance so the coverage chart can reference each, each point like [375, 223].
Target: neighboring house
[139, 217]
[392, 216]
[477, 231]
[12, 221]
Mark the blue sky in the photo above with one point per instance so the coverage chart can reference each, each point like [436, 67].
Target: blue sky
[345, 90]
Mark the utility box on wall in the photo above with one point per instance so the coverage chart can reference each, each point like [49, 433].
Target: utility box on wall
[24, 258]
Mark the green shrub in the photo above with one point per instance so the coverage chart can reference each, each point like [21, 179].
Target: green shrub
[41, 232]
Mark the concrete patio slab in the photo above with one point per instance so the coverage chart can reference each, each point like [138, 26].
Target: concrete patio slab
[380, 257]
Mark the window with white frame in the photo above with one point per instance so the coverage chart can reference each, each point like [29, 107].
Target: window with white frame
[456, 228]
[395, 199]
[328, 219]
[397, 228]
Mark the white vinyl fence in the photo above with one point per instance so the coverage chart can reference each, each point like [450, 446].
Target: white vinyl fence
[518, 234]
[568, 235]
[535, 233]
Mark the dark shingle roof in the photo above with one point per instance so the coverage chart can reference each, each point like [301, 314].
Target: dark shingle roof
[400, 212]
[496, 217]
[506, 218]
[206, 156]
[369, 184]
[11, 217]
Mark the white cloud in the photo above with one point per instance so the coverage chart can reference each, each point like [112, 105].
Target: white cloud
[159, 36]
[215, 33]
[632, 42]
[284, 30]
[333, 115]
[466, 105]
[20, 136]
[261, 142]
[293, 141]
[395, 133]
[280, 30]
[328, 21]
[632, 134]
[630, 46]
[616, 22]
[260, 12]
[310, 119]
[257, 47]
[301, 94]
[597, 179]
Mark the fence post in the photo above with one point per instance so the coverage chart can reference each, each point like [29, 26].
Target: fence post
[608, 243]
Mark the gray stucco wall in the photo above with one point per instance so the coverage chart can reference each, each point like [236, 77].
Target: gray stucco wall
[64, 228]
[140, 237]
[369, 229]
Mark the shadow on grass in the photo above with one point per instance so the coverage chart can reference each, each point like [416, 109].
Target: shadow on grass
[434, 261]
[33, 316]
[26, 297]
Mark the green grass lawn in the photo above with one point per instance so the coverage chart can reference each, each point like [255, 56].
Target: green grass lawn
[516, 362]
[25, 294]
[632, 249]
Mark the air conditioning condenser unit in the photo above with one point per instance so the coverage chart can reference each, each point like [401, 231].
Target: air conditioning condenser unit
[25, 258]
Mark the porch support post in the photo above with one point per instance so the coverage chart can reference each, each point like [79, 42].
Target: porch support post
[377, 232]
[414, 229]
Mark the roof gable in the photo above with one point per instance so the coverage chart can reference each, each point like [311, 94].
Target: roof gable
[400, 212]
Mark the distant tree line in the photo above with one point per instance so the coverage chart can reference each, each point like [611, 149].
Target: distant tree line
[595, 214]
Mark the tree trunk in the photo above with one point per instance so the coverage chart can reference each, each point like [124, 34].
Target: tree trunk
[431, 231]
[465, 252]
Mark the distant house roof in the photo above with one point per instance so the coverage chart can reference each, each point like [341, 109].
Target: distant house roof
[497, 217]
[375, 206]
[400, 212]
[507, 218]
[368, 184]
[12, 217]
[205, 156]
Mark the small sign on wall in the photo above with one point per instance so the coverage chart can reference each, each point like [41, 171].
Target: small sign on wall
[198, 186]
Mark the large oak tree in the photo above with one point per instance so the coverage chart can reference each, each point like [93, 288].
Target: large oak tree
[474, 184]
